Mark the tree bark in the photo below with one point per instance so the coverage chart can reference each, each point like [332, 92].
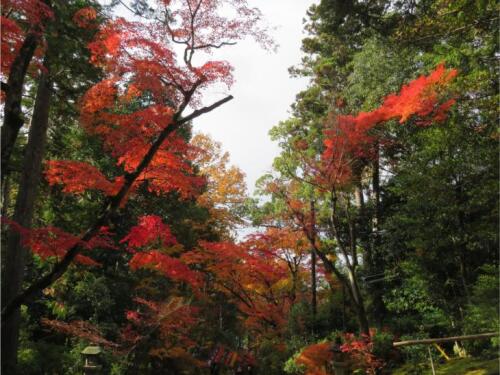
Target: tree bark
[462, 244]
[313, 261]
[15, 257]
[374, 262]
[375, 220]
[360, 199]
[358, 302]
[5, 196]
[350, 285]
[13, 118]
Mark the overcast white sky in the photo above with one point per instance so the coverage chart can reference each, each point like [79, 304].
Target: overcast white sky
[263, 91]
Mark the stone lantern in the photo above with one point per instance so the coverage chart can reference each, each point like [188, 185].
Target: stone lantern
[339, 363]
[92, 356]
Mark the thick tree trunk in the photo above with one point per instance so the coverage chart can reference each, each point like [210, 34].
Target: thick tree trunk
[15, 257]
[13, 118]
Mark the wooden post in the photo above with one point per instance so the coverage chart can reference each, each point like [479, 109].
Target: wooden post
[432, 362]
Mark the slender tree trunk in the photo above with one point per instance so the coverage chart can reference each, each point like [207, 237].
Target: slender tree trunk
[13, 118]
[376, 214]
[293, 293]
[343, 307]
[358, 302]
[376, 192]
[360, 199]
[350, 285]
[5, 196]
[313, 283]
[462, 246]
[313, 261]
[361, 221]
[375, 265]
[15, 257]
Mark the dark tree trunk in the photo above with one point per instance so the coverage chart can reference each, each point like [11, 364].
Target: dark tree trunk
[358, 302]
[313, 261]
[15, 257]
[5, 196]
[313, 282]
[462, 245]
[13, 117]
[350, 285]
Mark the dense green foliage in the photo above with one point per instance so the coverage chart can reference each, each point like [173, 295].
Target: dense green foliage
[429, 241]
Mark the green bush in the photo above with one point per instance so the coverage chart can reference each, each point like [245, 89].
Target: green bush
[414, 354]
[382, 345]
[482, 314]
[291, 367]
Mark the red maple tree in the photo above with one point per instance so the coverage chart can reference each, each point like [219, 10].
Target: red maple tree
[250, 275]
[351, 143]
[19, 18]
[148, 243]
[143, 68]
[351, 139]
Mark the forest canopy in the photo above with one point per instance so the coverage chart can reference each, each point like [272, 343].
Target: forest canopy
[126, 233]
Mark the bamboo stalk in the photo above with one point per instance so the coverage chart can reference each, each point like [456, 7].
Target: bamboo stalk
[432, 362]
[445, 339]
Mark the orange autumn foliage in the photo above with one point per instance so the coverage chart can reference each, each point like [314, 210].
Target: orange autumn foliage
[81, 329]
[315, 358]
[77, 177]
[127, 137]
[350, 138]
[146, 83]
[360, 350]
[279, 240]
[172, 319]
[226, 189]
[250, 276]
[170, 267]
[145, 92]
[85, 17]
